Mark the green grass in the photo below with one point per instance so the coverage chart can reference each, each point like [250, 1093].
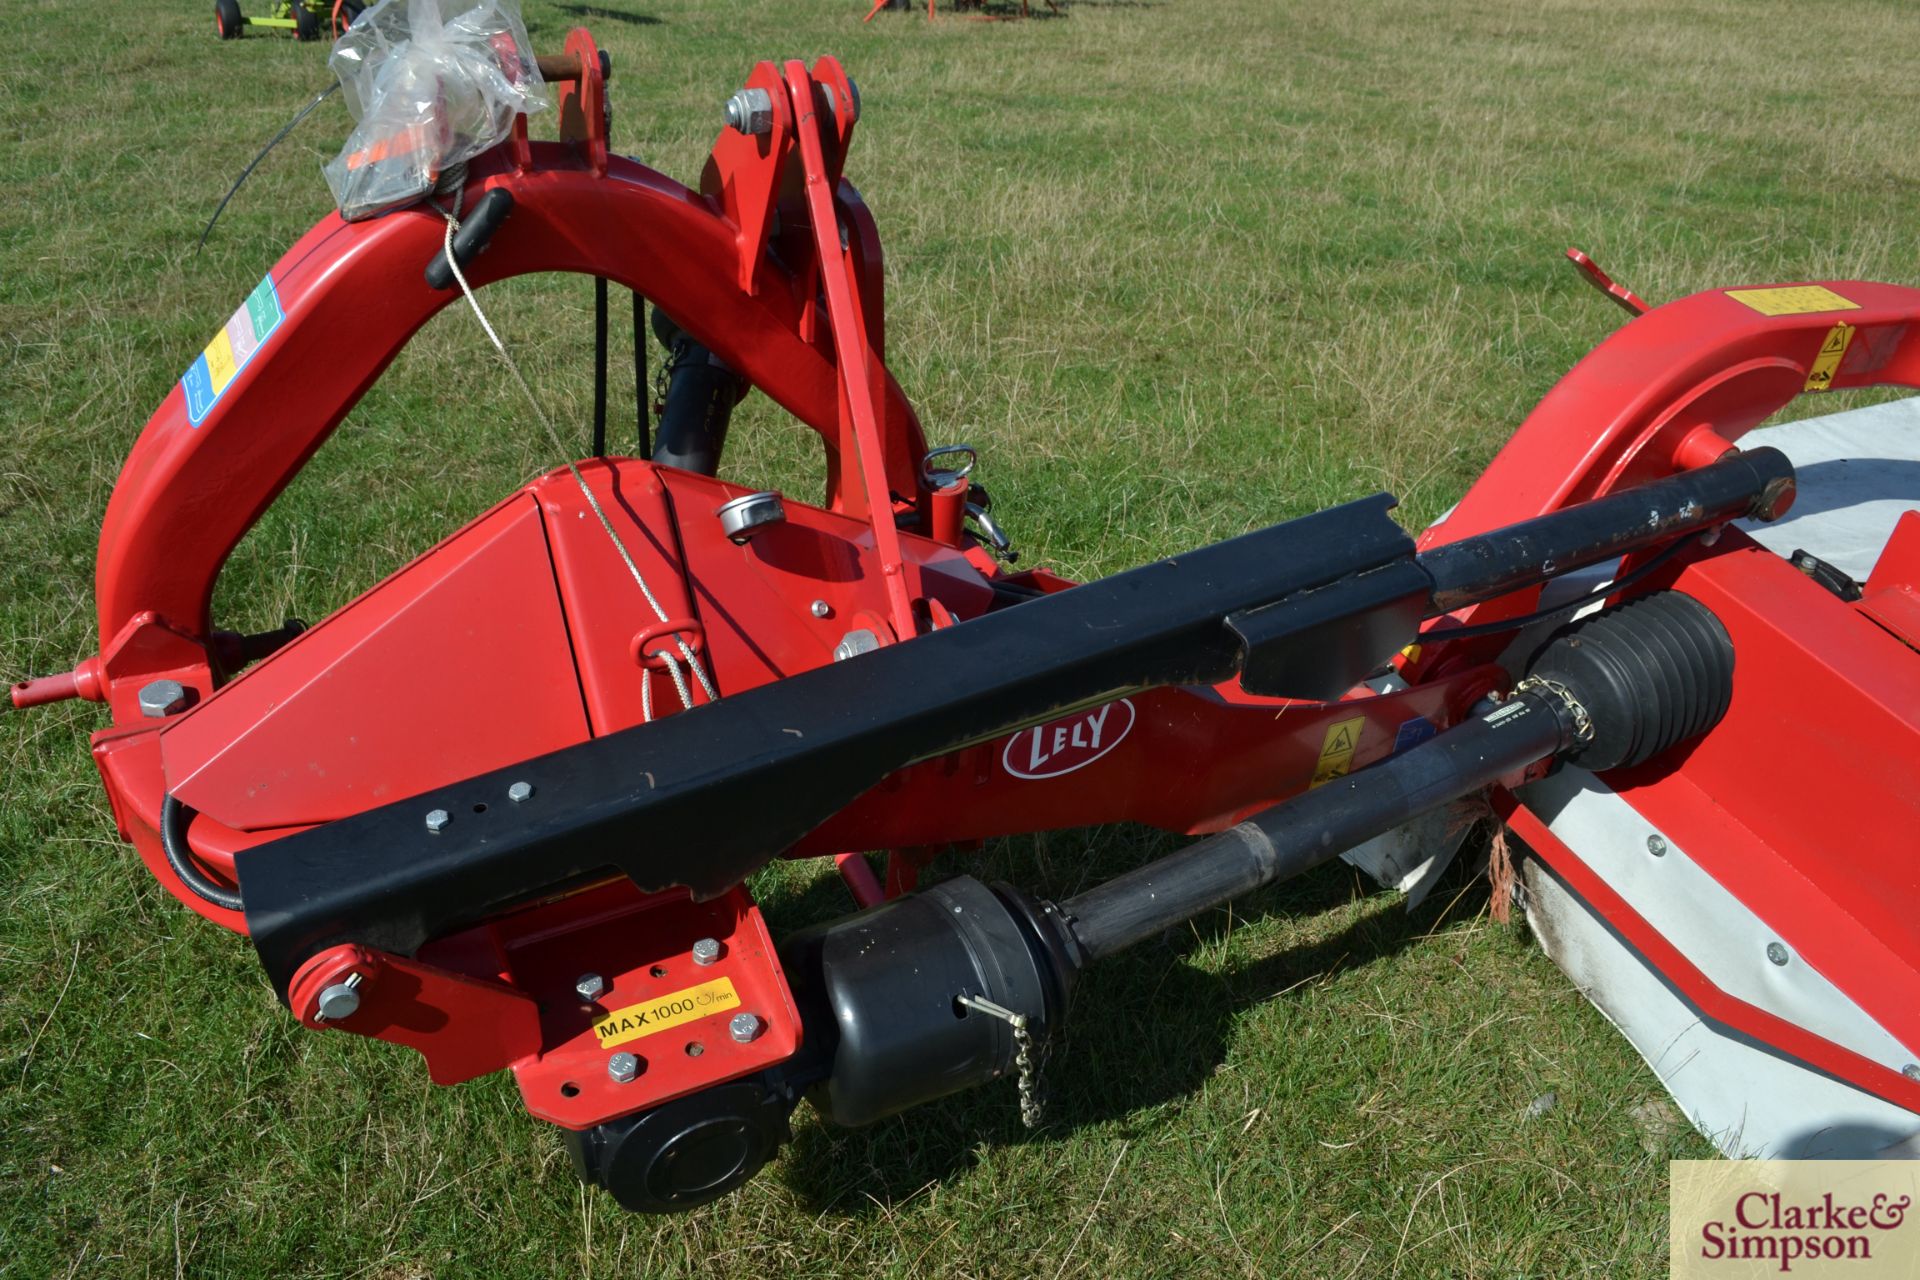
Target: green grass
[1180, 268]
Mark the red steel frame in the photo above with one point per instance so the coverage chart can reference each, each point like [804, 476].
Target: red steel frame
[378, 702]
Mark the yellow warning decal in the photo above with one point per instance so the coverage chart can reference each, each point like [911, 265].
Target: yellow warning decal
[1827, 363]
[637, 1021]
[1799, 300]
[1336, 752]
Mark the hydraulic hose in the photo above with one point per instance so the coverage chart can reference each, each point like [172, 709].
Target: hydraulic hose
[174, 818]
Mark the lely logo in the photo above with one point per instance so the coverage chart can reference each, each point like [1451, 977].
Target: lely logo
[1804, 1218]
[1069, 743]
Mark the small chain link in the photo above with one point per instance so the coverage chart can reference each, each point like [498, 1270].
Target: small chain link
[1026, 1057]
[1582, 722]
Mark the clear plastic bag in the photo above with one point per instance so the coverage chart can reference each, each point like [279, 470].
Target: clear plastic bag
[428, 93]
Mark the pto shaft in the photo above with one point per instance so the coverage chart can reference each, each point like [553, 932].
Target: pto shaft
[1291, 839]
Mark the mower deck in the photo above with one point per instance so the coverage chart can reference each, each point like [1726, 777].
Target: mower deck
[1816, 932]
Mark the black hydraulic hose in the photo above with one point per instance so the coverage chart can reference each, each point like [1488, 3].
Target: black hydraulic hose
[1319, 825]
[599, 366]
[174, 818]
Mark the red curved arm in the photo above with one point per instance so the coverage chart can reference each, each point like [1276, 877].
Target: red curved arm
[1674, 389]
[1629, 411]
[189, 493]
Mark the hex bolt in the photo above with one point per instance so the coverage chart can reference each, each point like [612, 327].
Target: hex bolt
[340, 1000]
[706, 951]
[745, 1027]
[1657, 846]
[1776, 953]
[1911, 1071]
[520, 792]
[162, 698]
[751, 111]
[590, 986]
[821, 609]
[622, 1068]
[437, 820]
[854, 643]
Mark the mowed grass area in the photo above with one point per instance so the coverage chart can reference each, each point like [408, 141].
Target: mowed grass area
[1180, 269]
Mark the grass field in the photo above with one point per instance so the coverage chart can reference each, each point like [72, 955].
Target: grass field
[1180, 269]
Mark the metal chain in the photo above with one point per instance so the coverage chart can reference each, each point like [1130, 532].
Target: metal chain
[1582, 722]
[1026, 1057]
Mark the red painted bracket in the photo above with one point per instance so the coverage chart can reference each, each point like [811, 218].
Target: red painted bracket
[1629, 301]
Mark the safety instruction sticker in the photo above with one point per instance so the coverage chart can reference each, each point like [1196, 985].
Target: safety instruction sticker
[1833, 349]
[245, 333]
[638, 1021]
[1336, 751]
[1797, 300]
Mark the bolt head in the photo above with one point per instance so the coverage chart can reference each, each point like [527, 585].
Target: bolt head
[821, 609]
[745, 1027]
[339, 1001]
[1776, 953]
[590, 986]
[854, 643]
[1911, 1071]
[437, 820]
[520, 792]
[751, 111]
[706, 951]
[1657, 846]
[162, 698]
[622, 1068]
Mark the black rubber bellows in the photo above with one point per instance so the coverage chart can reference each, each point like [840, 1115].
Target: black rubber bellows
[1652, 673]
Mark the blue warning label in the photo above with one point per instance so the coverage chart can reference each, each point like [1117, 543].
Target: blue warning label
[231, 350]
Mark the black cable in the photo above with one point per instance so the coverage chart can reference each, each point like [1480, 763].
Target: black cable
[287, 129]
[1598, 593]
[174, 818]
[599, 366]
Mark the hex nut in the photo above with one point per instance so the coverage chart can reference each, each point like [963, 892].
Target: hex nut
[751, 111]
[437, 820]
[854, 643]
[745, 1027]
[622, 1068]
[162, 698]
[1657, 846]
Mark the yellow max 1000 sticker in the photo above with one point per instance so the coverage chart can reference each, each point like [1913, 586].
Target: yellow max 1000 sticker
[637, 1021]
[1793, 300]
